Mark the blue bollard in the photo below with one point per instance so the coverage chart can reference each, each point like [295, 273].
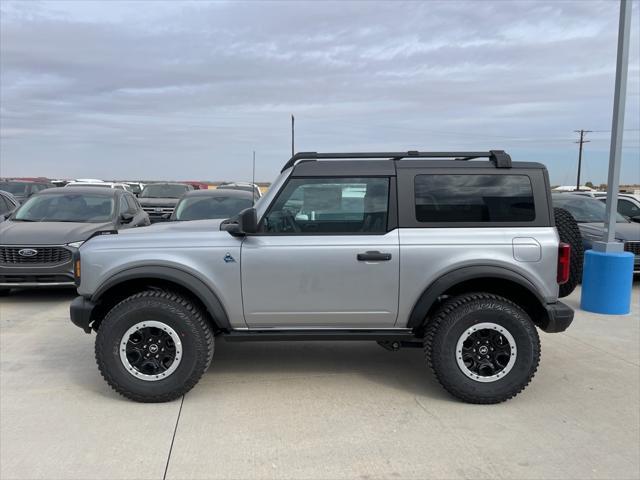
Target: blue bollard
[607, 279]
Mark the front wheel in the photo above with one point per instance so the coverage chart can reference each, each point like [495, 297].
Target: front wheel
[154, 346]
[482, 348]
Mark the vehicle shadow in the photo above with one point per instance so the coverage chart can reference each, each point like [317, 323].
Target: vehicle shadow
[404, 370]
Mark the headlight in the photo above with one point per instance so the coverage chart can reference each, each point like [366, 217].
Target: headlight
[75, 244]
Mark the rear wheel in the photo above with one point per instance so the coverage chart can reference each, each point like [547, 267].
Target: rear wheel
[482, 348]
[570, 233]
[154, 346]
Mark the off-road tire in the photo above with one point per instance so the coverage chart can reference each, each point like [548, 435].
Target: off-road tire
[457, 315]
[570, 233]
[174, 310]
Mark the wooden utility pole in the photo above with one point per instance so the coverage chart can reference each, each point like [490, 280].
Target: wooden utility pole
[581, 141]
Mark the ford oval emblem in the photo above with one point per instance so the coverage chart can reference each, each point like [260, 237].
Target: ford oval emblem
[27, 252]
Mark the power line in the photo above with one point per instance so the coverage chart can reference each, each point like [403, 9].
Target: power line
[581, 142]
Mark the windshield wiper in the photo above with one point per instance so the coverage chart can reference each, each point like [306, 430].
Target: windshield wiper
[23, 220]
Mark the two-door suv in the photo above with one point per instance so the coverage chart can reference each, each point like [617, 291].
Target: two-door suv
[404, 248]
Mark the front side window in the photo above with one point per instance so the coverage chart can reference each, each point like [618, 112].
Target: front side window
[68, 207]
[628, 209]
[474, 198]
[330, 206]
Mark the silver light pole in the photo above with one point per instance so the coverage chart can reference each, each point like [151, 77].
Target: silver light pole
[608, 243]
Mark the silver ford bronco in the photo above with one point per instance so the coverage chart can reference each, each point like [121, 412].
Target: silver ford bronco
[456, 252]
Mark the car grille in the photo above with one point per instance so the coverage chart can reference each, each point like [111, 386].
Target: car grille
[633, 247]
[43, 255]
[158, 210]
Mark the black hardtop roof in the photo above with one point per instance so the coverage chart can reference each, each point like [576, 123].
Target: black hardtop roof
[386, 163]
[102, 191]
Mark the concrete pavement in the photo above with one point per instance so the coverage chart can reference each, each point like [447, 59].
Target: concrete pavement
[314, 410]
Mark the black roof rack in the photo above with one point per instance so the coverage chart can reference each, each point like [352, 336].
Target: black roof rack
[499, 158]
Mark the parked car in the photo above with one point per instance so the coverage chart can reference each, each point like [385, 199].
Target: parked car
[160, 199]
[23, 189]
[459, 257]
[101, 184]
[8, 203]
[211, 204]
[136, 187]
[59, 183]
[628, 204]
[590, 215]
[245, 186]
[38, 241]
[197, 185]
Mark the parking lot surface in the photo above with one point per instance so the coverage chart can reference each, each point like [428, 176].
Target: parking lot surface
[314, 410]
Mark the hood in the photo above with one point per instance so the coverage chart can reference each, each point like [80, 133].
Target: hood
[624, 231]
[176, 227]
[158, 202]
[47, 233]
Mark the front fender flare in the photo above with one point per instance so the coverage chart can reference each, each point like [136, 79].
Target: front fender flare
[171, 274]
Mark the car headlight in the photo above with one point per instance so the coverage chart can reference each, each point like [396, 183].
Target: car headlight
[75, 244]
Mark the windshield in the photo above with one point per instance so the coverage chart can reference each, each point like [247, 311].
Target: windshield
[70, 207]
[163, 191]
[16, 188]
[244, 188]
[584, 209]
[201, 208]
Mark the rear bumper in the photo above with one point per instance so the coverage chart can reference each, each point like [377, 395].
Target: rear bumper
[80, 312]
[559, 317]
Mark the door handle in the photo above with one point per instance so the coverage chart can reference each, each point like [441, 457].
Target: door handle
[374, 257]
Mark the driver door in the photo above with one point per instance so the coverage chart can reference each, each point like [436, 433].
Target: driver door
[324, 257]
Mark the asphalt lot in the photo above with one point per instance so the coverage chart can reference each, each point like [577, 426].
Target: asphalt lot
[314, 410]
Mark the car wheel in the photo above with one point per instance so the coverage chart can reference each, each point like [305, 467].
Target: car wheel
[154, 346]
[570, 233]
[482, 348]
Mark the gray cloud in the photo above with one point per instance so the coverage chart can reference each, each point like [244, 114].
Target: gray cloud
[189, 89]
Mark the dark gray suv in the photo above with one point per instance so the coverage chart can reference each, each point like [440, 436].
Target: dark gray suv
[38, 240]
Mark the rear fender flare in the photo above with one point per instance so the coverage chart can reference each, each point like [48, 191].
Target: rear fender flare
[451, 279]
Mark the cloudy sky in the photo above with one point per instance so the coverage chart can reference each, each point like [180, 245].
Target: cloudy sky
[187, 90]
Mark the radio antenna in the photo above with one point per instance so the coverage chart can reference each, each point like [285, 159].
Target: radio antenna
[253, 177]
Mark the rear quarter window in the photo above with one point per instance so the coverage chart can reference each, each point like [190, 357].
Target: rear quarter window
[466, 198]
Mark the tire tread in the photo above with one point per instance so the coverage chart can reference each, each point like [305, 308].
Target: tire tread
[432, 328]
[196, 315]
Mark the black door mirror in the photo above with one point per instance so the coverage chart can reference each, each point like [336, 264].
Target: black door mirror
[246, 222]
[126, 217]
